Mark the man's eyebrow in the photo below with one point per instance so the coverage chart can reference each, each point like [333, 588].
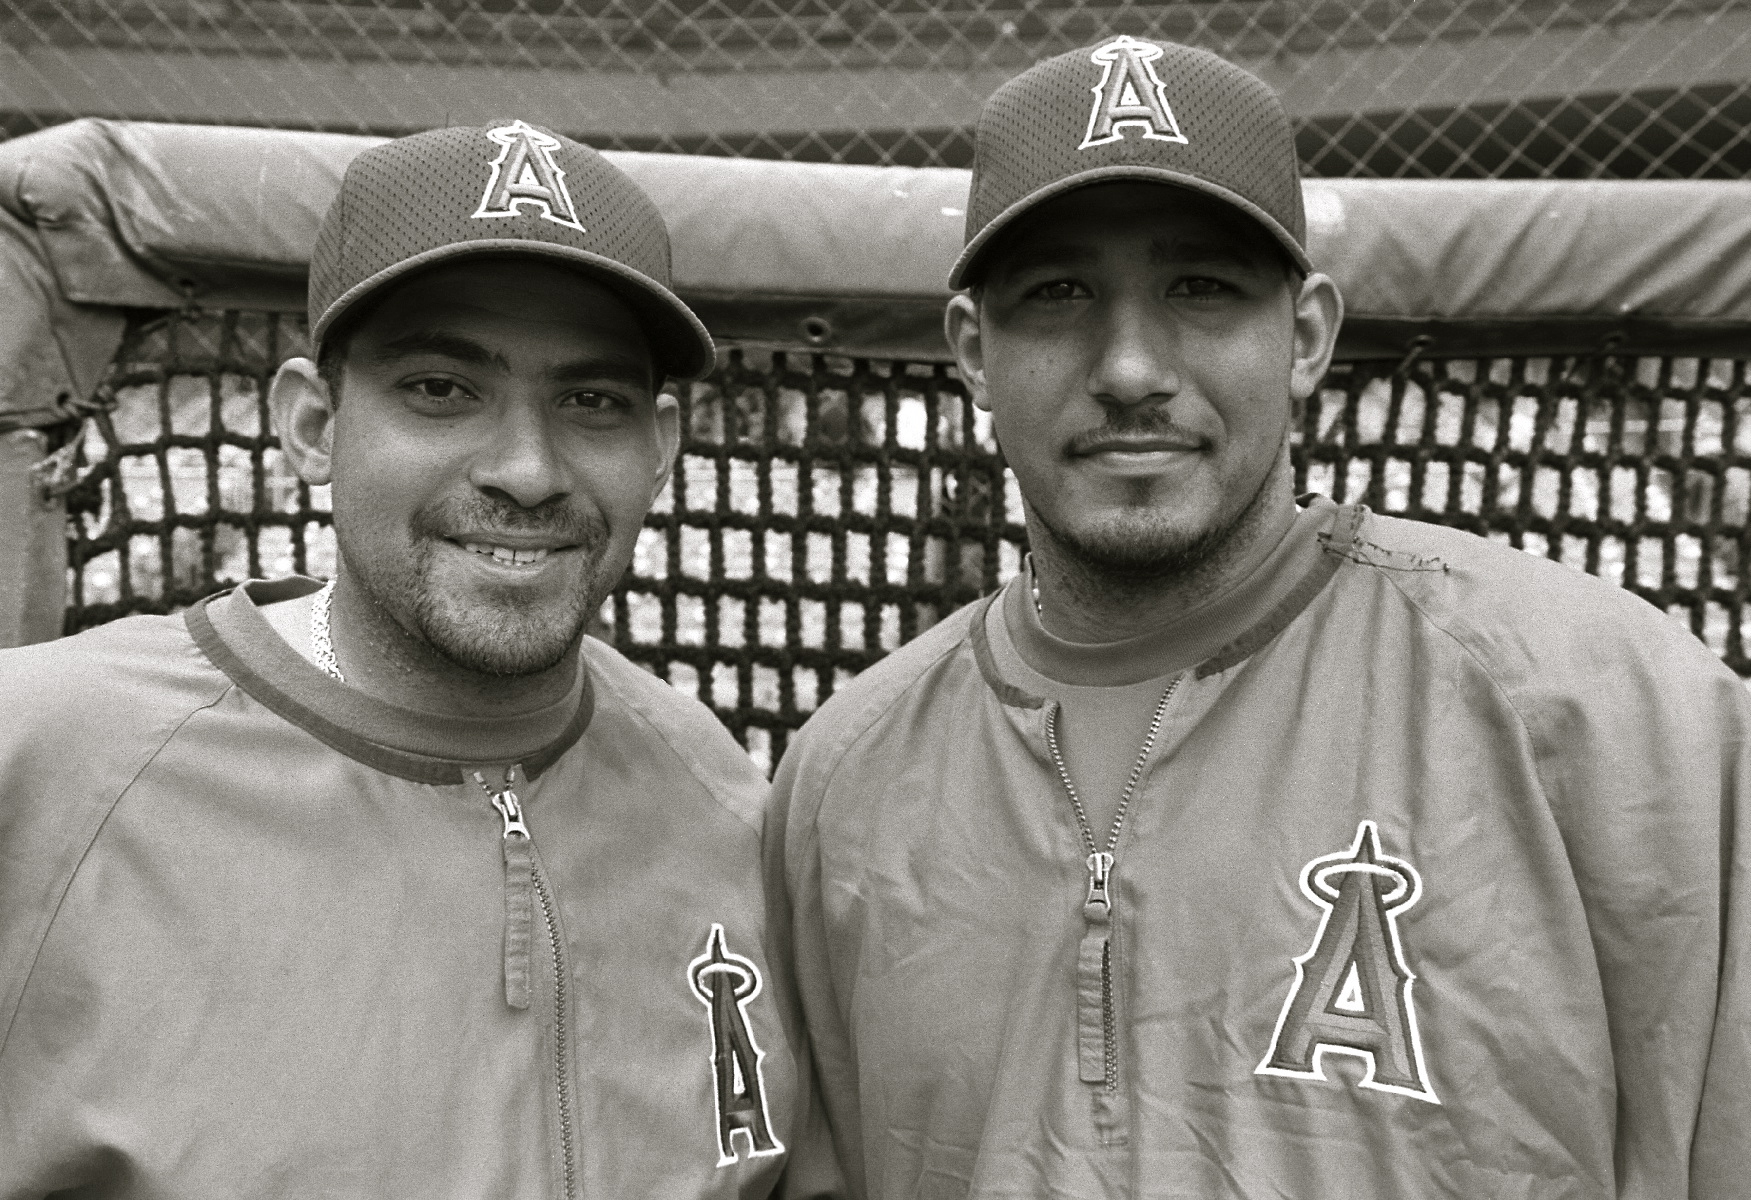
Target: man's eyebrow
[450, 345]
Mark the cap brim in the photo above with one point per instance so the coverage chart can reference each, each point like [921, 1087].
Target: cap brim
[957, 278]
[680, 344]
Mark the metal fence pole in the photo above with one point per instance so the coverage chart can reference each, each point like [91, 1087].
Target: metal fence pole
[33, 544]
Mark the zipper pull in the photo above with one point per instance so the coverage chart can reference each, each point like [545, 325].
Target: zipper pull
[510, 808]
[519, 887]
[1094, 973]
[1100, 871]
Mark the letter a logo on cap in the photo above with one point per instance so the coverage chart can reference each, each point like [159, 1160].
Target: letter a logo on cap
[1129, 95]
[525, 173]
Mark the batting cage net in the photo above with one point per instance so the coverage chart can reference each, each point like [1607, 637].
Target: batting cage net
[824, 510]
[1611, 89]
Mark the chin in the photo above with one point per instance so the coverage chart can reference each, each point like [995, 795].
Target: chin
[1143, 545]
[499, 653]
[502, 641]
[505, 631]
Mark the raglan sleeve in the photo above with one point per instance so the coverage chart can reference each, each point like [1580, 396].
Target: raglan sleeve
[30, 871]
[80, 718]
[1647, 766]
[58, 780]
[1720, 1154]
[818, 1168]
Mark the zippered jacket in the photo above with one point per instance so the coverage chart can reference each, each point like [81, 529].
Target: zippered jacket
[1434, 885]
[262, 935]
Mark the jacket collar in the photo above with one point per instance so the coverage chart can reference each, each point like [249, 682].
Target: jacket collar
[425, 747]
[1336, 526]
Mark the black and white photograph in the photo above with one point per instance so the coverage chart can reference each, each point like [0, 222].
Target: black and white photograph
[875, 599]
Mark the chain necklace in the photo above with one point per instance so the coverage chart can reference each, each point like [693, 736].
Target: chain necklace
[321, 645]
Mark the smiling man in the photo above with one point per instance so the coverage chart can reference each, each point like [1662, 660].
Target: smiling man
[401, 885]
[1242, 846]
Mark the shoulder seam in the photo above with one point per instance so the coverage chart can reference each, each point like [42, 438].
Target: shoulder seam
[686, 764]
[1483, 667]
[106, 810]
[1353, 546]
[874, 714]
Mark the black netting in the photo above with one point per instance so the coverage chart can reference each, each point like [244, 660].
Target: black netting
[825, 510]
[1628, 89]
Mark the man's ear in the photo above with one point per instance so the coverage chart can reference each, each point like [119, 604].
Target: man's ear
[304, 415]
[668, 439]
[1319, 312]
[960, 324]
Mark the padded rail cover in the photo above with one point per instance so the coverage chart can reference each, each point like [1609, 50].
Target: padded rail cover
[96, 216]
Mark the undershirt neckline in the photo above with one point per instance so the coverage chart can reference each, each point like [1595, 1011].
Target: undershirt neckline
[1106, 692]
[429, 747]
[1027, 655]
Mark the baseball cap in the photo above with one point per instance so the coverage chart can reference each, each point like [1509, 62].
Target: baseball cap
[510, 188]
[1129, 108]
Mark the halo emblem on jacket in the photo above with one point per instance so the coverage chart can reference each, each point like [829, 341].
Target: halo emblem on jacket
[525, 173]
[726, 983]
[1130, 95]
[1352, 990]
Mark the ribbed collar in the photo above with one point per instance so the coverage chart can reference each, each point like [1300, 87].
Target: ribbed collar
[426, 747]
[1214, 634]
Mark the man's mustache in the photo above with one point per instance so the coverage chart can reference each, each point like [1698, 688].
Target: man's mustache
[1148, 422]
[558, 519]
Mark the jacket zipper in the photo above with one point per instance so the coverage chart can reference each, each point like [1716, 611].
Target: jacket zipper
[522, 875]
[1109, 1038]
[561, 1057]
[1096, 1021]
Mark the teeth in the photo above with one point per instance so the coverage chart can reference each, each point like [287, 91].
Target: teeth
[506, 554]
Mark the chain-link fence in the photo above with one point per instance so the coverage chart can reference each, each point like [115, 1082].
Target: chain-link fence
[826, 510]
[1630, 89]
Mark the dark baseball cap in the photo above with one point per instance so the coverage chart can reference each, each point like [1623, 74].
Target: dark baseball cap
[1131, 108]
[505, 189]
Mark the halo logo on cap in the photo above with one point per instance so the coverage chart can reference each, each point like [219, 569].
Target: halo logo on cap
[1130, 95]
[525, 173]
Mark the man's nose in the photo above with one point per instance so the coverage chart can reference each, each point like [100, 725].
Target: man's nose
[520, 459]
[1135, 359]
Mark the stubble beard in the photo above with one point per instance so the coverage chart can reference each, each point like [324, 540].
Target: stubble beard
[1137, 548]
[500, 632]
[1144, 548]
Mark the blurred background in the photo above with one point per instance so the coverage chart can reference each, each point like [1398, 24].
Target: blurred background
[1616, 89]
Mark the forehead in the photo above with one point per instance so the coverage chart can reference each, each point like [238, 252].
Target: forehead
[1116, 217]
[524, 302]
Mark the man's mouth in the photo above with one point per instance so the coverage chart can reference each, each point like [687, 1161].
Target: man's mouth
[506, 554]
[510, 556]
[1084, 447]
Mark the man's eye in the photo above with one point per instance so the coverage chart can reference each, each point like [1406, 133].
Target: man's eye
[1198, 285]
[594, 401]
[1059, 289]
[439, 389]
